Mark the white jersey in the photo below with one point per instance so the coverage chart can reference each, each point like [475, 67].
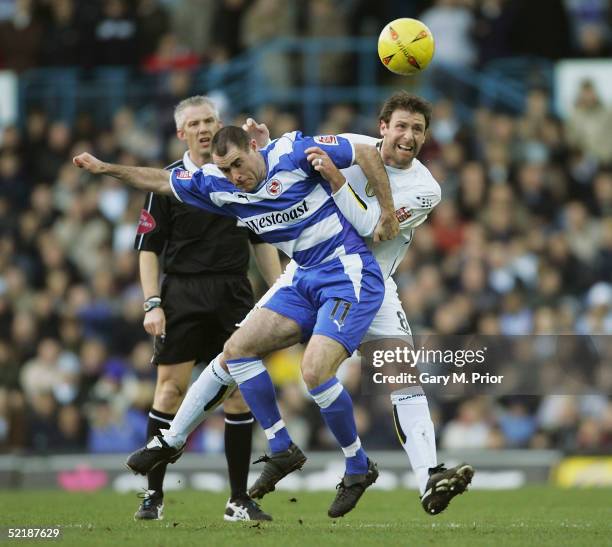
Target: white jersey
[415, 193]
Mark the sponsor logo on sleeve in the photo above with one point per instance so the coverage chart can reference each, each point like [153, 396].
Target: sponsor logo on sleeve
[403, 213]
[146, 223]
[326, 139]
[183, 174]
[274, 187]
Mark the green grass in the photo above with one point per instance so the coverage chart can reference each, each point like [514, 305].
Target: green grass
[539, 516]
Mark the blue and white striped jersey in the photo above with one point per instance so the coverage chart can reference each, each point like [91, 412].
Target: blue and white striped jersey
[292, 208]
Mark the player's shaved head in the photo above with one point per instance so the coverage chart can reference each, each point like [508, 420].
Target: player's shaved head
[402, 100]
[227, 137]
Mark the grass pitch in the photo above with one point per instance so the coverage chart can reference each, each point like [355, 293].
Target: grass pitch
[536, 515]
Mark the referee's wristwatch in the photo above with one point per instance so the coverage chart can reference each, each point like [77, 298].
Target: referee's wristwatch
[151, 303]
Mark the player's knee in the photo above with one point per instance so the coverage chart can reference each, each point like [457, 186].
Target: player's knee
[234, 349]
[222, 362]
[311, 376]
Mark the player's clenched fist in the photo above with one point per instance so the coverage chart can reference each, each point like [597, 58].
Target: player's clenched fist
[322, 163]
[386, 229]
[88, 162]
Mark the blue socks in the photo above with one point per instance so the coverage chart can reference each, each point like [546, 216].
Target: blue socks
[337, 411]
[257, 389]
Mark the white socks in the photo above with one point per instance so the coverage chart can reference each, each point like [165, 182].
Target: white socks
[211, 388]
[415, 431]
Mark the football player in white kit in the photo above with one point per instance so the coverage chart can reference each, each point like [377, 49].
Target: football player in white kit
[404, 119]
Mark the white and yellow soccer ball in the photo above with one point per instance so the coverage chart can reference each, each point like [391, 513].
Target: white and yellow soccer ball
[406, 46]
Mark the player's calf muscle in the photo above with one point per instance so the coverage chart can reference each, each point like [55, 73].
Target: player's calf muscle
[172, 384]
[235, 404]
[168, 397]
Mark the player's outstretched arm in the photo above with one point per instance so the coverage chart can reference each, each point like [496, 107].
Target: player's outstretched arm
[368, 158]
[142, 178]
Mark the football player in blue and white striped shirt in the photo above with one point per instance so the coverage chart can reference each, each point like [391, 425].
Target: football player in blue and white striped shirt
[334, 295]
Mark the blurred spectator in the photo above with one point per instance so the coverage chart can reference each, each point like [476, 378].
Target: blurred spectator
[20, 38]
[529, 18]
[54, 154]
[590, 31]
[115, 35]
[41, 374]
[469, 429]
[194, 22]
[326, 18]
[41, 421]
[113, 430]
[11, 180]
[516, 424]
[170, 54]
[589, 127]
[226, 32]
[491, 29]
[72, 433]
[66, 42]
[451, 22]
[263, 21]
[152, 24]
[582, 232]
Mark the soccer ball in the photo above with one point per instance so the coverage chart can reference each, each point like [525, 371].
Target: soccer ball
[405, 46]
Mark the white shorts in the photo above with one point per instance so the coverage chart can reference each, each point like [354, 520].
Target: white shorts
[390, 320]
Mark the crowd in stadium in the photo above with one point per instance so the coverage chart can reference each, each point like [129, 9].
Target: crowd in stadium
[521, 243]
[162, 34]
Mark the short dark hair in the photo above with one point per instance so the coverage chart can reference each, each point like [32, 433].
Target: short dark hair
[227, 136]
[402, 100]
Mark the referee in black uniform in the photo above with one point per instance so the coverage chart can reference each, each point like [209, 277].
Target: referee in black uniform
[205, 292]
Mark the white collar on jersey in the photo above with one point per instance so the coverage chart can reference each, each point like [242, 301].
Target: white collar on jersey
[188, 163]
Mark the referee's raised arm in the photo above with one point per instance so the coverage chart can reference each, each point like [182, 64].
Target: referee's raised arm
[148, 179]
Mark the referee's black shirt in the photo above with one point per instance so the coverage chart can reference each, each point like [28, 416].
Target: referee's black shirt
[192, 241]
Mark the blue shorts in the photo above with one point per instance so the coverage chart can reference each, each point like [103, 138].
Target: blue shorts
[337, 299]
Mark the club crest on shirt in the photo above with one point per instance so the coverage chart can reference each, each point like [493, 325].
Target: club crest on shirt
[274, 187]
[402, 214]
[146, 223]
[183, 174]
[326, 139]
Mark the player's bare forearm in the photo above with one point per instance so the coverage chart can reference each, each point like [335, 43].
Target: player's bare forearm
[154, 321]
[368, 158]
[269, 265]
[149, 273]
[148, 179]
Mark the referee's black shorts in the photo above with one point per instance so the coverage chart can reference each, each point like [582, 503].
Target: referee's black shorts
[201, 314]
